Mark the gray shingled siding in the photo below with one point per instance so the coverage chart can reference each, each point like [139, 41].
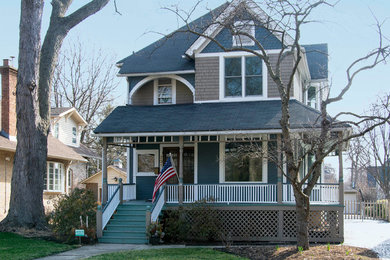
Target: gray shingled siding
[208, 165]
[144, 95]
[285, 70]
[207, 78]
[183, 94]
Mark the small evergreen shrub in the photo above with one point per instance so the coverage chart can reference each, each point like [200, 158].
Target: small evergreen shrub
[65, 218]
[198, 222]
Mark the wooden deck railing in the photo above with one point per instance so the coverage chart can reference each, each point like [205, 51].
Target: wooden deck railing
[224, 193]
[248, 193]
[321, 194]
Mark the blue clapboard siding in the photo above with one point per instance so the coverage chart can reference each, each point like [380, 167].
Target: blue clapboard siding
[272, 173]
[145, 187]
[208, 165]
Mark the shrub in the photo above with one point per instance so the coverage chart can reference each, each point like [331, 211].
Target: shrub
[195, 222]
[65, 218]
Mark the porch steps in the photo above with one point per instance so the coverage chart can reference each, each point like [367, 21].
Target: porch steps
[127, 225]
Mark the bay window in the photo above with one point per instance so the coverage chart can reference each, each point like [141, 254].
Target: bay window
[243, 77]
[54, 178]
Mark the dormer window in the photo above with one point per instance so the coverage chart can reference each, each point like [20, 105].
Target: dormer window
[312, 99]
[242, 31]
[164, 91]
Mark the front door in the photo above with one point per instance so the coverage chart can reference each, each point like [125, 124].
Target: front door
[188, 163]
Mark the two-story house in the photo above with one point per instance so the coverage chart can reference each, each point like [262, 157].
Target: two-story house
[67, 125]
[60, 157]
[189, 98]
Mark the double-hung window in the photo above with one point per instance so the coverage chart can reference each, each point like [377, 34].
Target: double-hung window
[243, 76]
[54, 179]
[164, 91]
[74, 135]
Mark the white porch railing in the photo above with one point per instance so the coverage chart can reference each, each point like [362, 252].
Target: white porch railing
[111, 189]
[321, 194]
[110, 207]
[129, 192]
[158, 205]
[224, 193]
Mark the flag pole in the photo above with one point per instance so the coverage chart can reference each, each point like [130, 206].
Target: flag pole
[173, 165]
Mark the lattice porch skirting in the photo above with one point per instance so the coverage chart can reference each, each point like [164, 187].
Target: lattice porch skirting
[277, 223]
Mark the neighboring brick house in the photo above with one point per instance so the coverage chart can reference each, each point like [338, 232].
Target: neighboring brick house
[59, 156]
[67, 125]
[189, 98]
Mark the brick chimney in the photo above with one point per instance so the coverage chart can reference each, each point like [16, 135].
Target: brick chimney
[8, 100]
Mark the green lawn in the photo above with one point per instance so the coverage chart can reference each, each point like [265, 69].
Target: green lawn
[13, 246]
[169, 254]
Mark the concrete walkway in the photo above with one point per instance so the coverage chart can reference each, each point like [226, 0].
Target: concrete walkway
[87, 251]
[372, 234]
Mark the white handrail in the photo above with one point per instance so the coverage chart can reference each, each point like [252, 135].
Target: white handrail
[158, 206]
[321, 194]
[129, 192]
[224, 193]
[110, 207]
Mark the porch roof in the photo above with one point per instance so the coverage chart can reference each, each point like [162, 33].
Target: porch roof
[206, 117]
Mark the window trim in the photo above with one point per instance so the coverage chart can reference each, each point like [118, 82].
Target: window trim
[74, 135]
[155, 92]
[63, 182]
[236, 38]
[222, 146]
[156, 162]
[242, 97]
[56, 130]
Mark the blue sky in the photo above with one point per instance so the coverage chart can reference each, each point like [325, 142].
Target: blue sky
[348, 29]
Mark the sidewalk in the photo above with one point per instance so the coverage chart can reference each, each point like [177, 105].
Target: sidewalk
[87, 251]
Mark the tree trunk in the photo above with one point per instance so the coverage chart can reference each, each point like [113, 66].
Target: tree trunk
[26, 207]
[302, 218]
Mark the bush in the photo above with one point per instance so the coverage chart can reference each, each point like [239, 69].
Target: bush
[65, 218]
[196, 222]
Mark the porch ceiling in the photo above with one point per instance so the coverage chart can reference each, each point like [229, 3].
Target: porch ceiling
[205, 117]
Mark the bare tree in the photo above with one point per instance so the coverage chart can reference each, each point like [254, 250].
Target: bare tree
[370, 154]
[326, 134]
[36, 67]
[84, 78]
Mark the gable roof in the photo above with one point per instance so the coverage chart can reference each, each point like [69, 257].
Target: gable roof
[84, 151]
[317, 59]
[167, 55]
[58, 112]
[212, 118]
[119, 170]
[55, 149]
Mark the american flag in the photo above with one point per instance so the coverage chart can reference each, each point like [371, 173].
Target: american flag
[167, 172]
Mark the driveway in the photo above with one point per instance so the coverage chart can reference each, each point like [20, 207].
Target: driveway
[372, 234]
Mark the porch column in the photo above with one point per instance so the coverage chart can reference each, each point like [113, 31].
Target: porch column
[104, 172]
[341, 187]
[280, 165]
[181, 146]
[341, 171]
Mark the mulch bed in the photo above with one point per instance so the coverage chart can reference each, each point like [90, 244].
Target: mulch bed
[290, 252]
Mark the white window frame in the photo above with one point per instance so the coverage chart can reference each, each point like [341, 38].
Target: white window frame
[56, 130]
[237, 40]
[74, 135]
[222, 165]
[222, 79]
[155, 92]
[317, 103]
[62, 179]
[156, 161]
